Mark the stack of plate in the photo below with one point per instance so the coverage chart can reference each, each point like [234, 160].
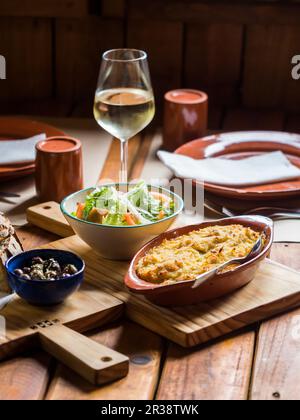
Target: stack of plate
[18, 128]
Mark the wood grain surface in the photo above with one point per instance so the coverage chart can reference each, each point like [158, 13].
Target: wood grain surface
[276, 372]
[25, 377]
[41, 216]
[144, 350]
[110, 171]
[84, 310]
[220, 369]
[94, 362]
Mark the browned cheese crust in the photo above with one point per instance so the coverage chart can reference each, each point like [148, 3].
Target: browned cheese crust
[186, 257]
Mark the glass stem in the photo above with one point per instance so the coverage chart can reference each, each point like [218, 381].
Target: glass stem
[124, 162]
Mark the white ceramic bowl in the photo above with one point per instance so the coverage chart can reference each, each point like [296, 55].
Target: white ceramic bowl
[116, 242]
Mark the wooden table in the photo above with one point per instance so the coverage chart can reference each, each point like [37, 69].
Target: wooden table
[262, 362]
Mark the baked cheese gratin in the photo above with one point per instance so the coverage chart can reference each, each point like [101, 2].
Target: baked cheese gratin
[187, 256]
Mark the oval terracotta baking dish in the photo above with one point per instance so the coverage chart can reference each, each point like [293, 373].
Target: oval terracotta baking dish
[182, 293]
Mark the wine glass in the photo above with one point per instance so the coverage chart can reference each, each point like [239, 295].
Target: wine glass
[124, 101]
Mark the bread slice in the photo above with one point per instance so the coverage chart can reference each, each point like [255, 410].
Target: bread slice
[9, 246]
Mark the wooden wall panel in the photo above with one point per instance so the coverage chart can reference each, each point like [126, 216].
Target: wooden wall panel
[267, 77]
[113, 8]
[26, 44]
[44, 8]
[293, 124]
[163, 42]
[241, 119]
[213, 60]
[247, 12]
[79, 47]
[239, 52]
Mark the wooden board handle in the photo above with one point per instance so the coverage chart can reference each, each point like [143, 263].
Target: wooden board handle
[48, 216]
[95, 362]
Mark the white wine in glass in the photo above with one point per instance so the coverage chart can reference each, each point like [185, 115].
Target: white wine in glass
[124, 101]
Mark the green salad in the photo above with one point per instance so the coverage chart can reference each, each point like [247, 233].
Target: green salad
[138, 206]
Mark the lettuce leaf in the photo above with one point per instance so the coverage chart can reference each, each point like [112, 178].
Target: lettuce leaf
[138, 201]
[114, 220]
[147, 204]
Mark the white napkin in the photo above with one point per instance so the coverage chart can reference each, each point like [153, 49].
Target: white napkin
[17, 151]
[263, 169]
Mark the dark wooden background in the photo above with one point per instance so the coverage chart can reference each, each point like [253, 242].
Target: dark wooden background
[238, 51]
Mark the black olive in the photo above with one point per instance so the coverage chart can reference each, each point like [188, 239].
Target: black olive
[70, 269]
[37, 260]
[25, 277]
[49, 262]
[50, 275]
[56, 267]
[26, 270]
[52, 265]
[18, 272]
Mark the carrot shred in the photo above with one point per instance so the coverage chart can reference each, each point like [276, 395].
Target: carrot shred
[161, 215]
[129, 219]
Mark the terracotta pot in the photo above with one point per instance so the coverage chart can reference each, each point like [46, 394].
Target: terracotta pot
[59, 169]
[185, 117]
[182, 293]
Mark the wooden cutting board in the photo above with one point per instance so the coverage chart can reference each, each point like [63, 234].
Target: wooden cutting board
[56, 329]
[275, 289]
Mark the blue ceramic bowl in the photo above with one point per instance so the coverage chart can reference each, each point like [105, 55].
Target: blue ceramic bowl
[45, 292]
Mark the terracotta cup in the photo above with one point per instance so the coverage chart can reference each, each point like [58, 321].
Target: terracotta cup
[59, 169]
[185, 117]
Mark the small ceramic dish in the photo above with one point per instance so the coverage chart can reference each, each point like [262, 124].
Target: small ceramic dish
[45, 292]
[182, 293]
[117, 242]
